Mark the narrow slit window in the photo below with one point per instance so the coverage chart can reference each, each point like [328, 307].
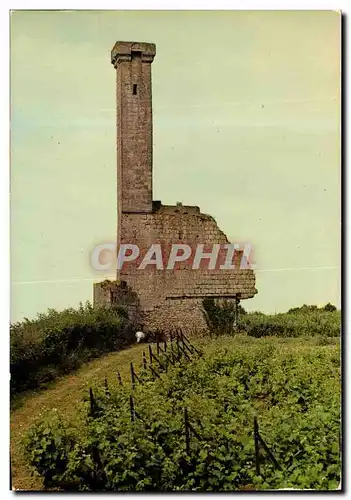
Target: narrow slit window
[134, 89]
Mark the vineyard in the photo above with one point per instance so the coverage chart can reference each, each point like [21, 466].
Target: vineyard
[233, 413]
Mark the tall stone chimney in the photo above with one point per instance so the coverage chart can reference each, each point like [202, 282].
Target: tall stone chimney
[132, 60]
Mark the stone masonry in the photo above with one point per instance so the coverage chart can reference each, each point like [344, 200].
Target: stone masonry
[167, 298]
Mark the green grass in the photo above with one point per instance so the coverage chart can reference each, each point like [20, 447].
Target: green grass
[67, 393]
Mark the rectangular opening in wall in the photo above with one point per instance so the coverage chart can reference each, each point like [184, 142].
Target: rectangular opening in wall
[134, 89]
[136, 54]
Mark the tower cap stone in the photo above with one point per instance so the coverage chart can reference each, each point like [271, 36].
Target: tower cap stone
[122, 51]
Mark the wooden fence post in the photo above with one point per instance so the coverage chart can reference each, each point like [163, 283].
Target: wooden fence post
[107, 392]
[132, 375]
[119, 378]
[92, 402]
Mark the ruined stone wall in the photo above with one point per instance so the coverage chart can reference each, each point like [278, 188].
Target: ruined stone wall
[177, 313]
[174, 296]
[118, 294]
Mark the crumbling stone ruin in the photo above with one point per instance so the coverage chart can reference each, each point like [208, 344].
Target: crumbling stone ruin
[168, 298]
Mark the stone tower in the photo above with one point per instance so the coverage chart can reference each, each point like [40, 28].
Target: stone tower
[132, 62]
[168, 298]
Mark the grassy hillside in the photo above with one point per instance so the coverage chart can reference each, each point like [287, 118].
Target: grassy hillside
[66, 396]
[58, 342]
[291, 385]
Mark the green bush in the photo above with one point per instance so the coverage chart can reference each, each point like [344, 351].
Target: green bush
[58, 342]
[221, 315]
[329, 307]
[297, 322]
[54, 443]
[312, 308]
[293, 389]
[306, 322]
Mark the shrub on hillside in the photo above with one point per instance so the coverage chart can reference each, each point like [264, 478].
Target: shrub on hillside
[57, 342]
[308, 322]
[312, 308]
[329, 307]
[220, 315]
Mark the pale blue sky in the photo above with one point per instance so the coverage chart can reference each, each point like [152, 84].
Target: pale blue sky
[246, 125]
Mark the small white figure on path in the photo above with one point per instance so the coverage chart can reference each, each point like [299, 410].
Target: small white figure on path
[140, 336]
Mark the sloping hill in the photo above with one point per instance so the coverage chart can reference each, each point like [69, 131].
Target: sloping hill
[65, 395]
[199, 381]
